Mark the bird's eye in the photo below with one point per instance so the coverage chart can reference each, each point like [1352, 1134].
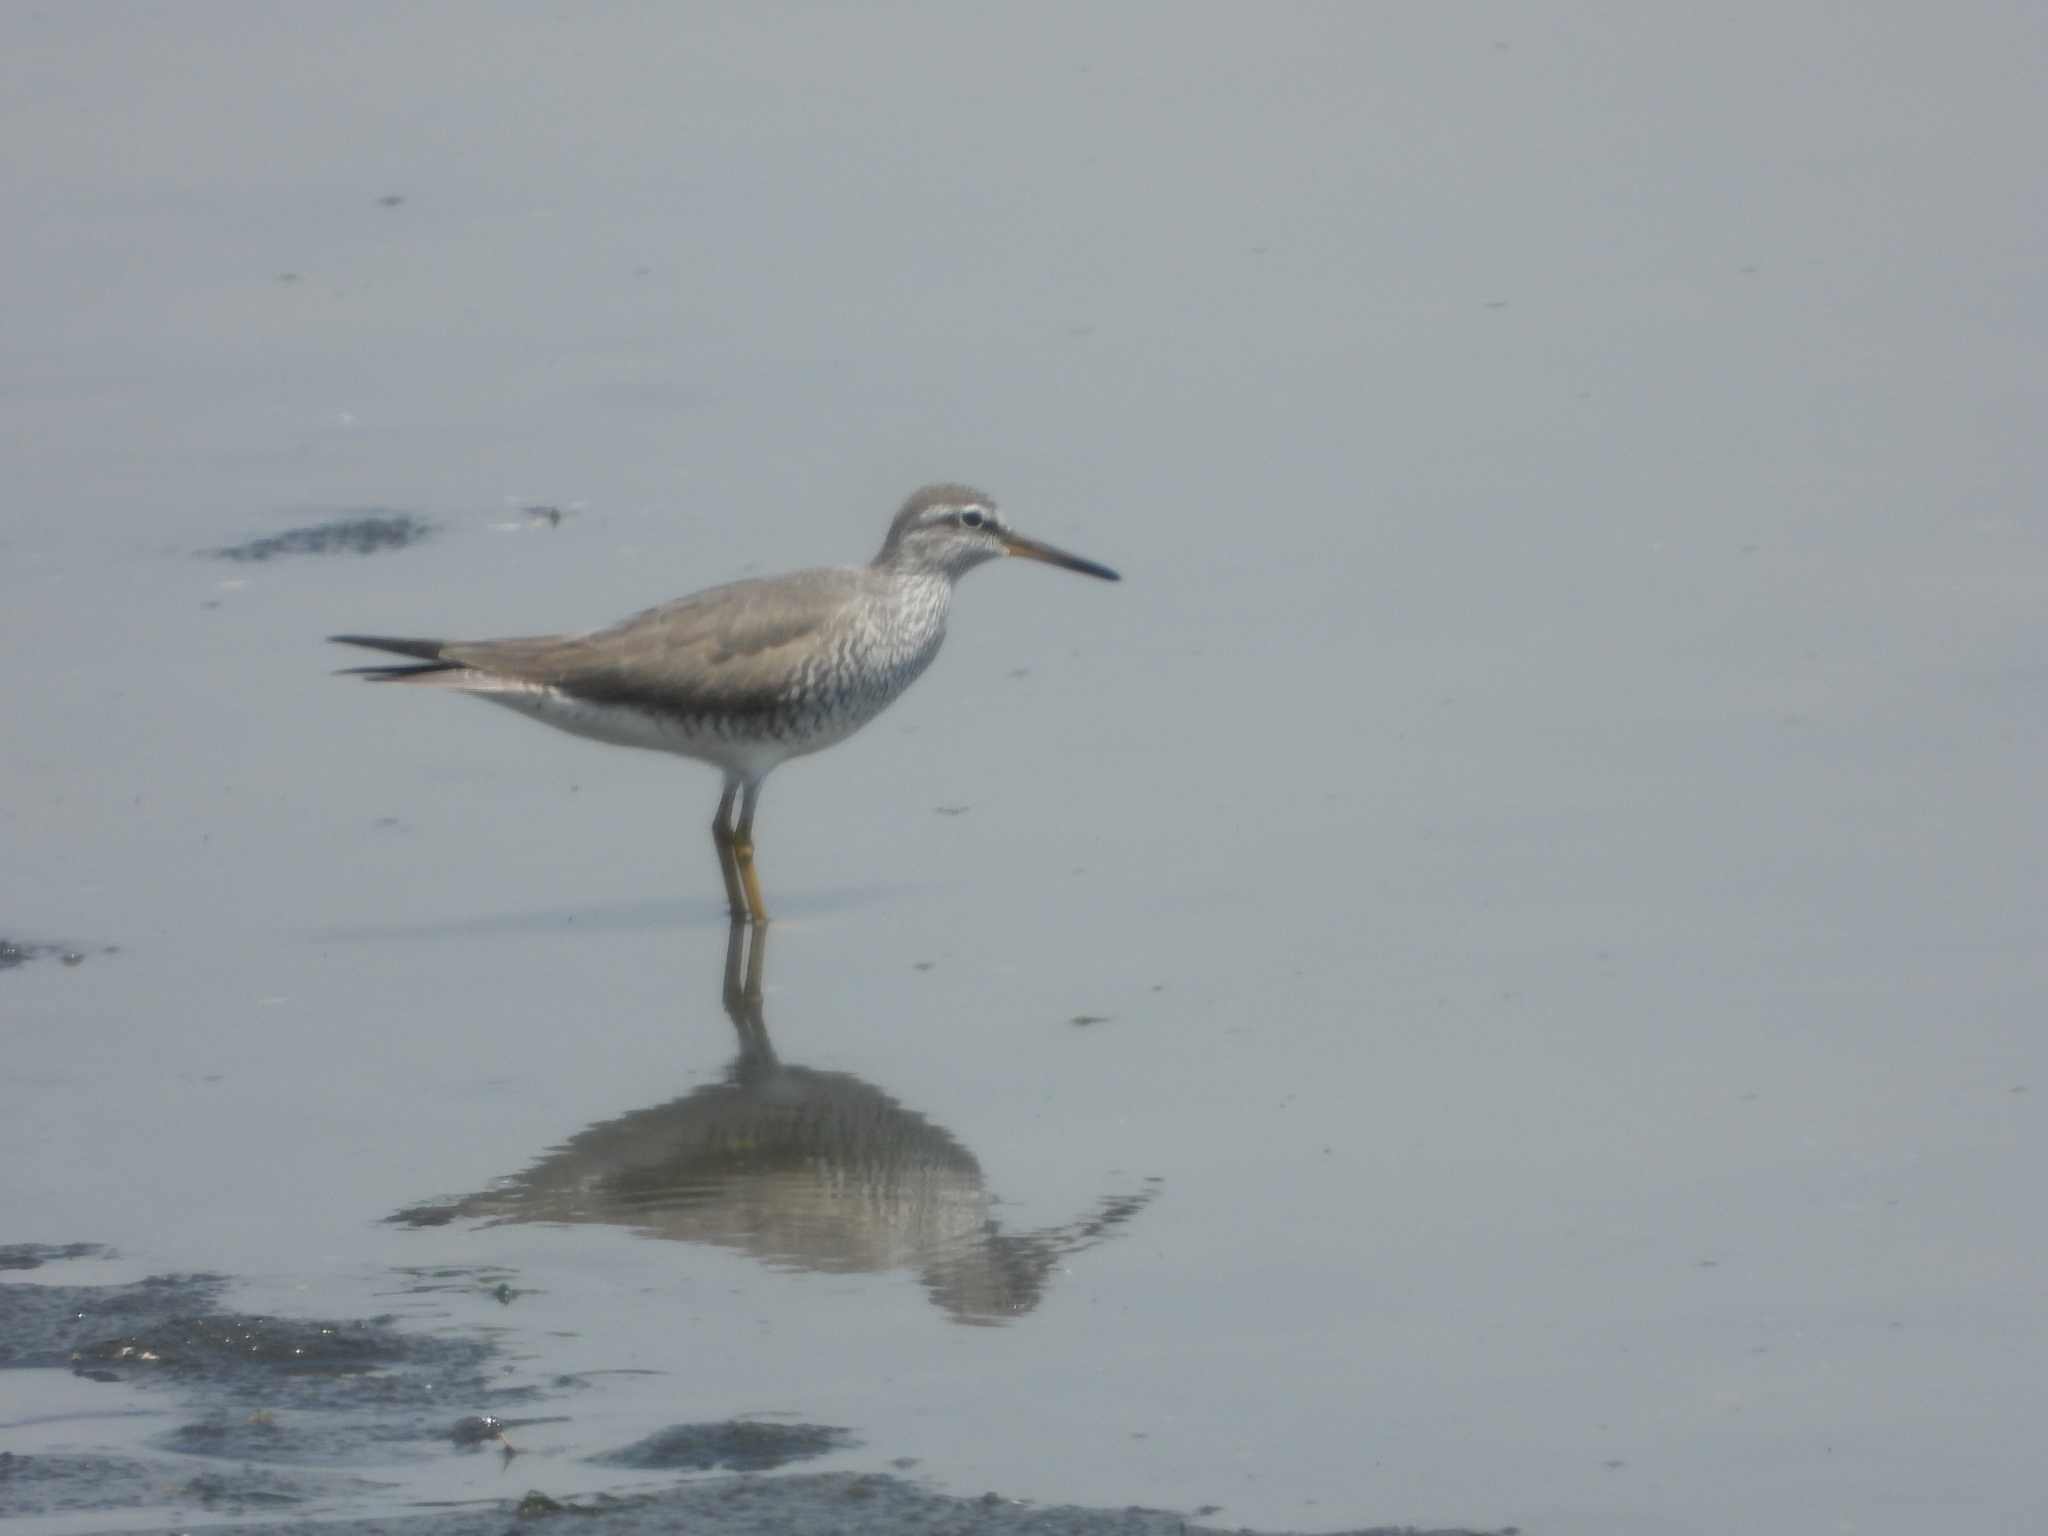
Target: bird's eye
[972, 518]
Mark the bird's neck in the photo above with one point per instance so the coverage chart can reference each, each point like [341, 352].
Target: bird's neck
[911, 576]
[920, 598]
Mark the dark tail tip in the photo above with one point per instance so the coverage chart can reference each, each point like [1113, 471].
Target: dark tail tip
[424, 650]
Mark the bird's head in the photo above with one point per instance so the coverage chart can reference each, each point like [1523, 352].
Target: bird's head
[948, 530]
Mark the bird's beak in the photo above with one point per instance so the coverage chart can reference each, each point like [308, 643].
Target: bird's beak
[1031, 549]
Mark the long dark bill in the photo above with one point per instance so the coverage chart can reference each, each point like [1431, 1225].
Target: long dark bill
[1031, 549]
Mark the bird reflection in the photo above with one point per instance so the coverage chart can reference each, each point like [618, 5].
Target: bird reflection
[801, 1169]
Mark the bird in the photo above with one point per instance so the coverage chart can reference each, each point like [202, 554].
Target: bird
[747, 675]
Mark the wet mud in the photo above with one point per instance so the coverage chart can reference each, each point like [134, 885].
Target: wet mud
[813, 1504]
[87, 1484]
[740, 1445]
[364, 533]
[46, 1325]
[17, 952]
[286, 1417]
[36, 1255]
[283, 1412]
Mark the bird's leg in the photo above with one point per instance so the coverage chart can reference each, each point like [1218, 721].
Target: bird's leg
[728, 866]
[743, 851]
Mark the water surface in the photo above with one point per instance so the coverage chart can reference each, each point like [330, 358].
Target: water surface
[1496, 979]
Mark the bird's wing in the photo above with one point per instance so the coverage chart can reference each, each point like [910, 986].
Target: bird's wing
[734, 649]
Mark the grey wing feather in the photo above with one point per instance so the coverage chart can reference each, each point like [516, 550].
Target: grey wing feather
[735, 648]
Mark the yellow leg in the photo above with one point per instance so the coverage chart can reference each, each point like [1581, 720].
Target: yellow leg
[728, 862]
[743, 853]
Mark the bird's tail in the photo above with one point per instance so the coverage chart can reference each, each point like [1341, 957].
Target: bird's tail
[428, 651]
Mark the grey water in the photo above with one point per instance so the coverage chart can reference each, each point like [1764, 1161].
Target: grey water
[1497, 979]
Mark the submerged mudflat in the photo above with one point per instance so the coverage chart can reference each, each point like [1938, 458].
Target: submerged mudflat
[274, 1420]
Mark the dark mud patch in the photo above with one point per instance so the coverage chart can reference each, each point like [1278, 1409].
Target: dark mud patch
[257, 1436]
[358, 533]
[220, 1342]
[359, 1392]
[737, 1445]
[241, 1491]
[75, 1484]
[477, 1429]
[43, 1325]
[305, 1392]
[34, 1485]
[351, 1392]
[14, 952]
[813, 1504]
[36, 1255]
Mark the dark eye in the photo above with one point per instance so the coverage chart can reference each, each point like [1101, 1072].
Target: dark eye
[972, 518]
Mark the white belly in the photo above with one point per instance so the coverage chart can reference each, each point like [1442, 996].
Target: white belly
[741, 754]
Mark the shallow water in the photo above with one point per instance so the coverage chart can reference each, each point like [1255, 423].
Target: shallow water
[1496, 979]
